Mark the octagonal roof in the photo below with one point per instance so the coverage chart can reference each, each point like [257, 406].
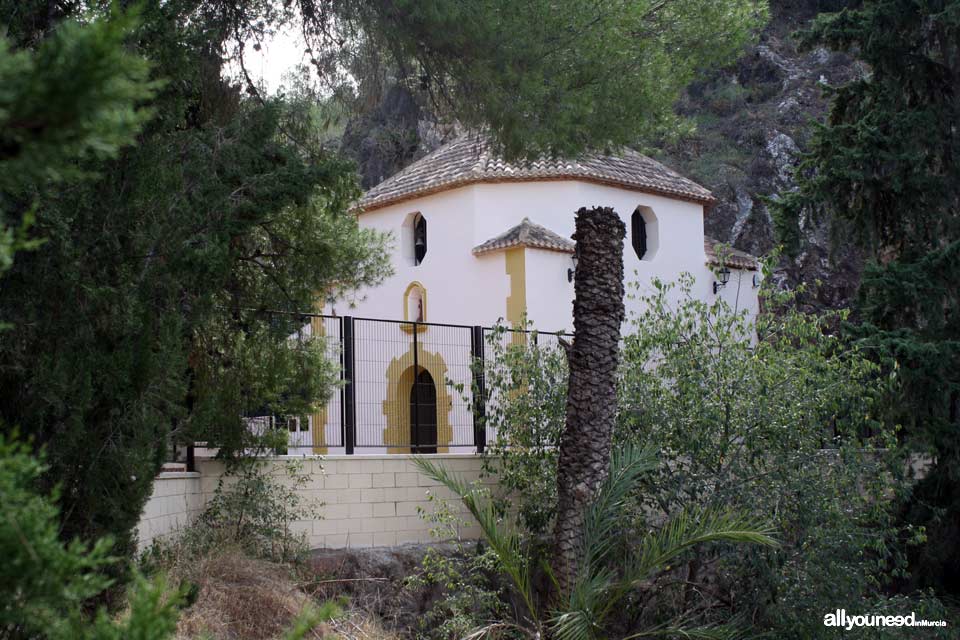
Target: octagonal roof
[470, 159]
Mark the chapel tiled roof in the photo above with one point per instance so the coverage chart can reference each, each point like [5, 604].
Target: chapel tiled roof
[526, 234]
[470, 159]
[732, 257]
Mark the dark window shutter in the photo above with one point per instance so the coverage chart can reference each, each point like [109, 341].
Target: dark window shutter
[420, 239]
[638, 234]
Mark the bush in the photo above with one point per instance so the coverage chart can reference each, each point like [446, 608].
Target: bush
[251, 509]
[527, 394]
[46, 585]
[772, 417]
[470, 593]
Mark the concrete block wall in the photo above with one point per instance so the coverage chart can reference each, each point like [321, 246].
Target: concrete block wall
[176, 500]
[365, 500]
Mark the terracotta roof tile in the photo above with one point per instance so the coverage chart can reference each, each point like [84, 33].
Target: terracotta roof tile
[732, 257]
[469, 160]
[526, 234]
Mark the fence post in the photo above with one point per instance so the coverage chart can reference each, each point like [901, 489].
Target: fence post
[347, 372]
[479, 392]
[415, 427]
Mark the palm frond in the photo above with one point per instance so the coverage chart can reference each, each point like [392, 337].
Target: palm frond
[595, 592]
[717, 632]
[587, 607]
[603, 517]
[573, 625]
[503, 537]
[499, 630]
[691, 528]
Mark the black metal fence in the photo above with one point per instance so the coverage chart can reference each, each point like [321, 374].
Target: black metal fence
[404, 386]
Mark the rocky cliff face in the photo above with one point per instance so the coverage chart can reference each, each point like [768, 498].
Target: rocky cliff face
[394, 133]
[752, 119]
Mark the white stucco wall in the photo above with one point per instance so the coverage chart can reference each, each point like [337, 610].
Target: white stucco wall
[467, 289]
[461, 288]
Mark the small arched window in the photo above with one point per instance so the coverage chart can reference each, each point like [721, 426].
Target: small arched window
[638, 234]
[414, 304]
[419, 238]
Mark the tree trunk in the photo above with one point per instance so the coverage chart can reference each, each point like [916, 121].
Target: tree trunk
[591, 394]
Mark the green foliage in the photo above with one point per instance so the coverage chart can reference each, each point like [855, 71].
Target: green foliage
[465, 574]
[503, 536]
[526, 382]
[562, 77]
[773, 417]
[252, 508]
[76, 96]
[616, 559]
[141, 320]
[45, 583]
[884, 167]
[541, 77]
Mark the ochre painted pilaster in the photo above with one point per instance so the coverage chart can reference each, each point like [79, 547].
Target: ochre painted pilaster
[516, 267]
[319, 432]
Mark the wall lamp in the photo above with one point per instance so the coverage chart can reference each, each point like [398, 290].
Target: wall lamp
[571, 272]
[724, 275]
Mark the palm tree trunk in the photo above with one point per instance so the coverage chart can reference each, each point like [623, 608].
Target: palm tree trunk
[591, 395]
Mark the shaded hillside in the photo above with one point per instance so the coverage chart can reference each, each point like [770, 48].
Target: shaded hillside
[751, 117]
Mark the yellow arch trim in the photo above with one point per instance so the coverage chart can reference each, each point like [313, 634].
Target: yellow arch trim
[406, 313]
[400, 378]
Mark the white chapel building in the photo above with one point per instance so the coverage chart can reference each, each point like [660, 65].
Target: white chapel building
[479, 241]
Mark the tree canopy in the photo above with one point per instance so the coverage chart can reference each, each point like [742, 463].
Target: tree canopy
[884, 166]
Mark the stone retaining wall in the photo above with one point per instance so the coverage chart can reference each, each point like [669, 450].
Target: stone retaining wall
[363, 501]
[176, 500]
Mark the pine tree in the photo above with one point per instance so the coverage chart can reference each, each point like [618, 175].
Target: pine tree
[130, 324]
[886, 166]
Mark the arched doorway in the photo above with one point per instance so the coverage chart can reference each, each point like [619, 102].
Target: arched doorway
[402, 377]
[423, 414]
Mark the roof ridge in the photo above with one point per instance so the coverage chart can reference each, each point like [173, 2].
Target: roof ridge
[470, 158]
[733, 257]
[526, 234]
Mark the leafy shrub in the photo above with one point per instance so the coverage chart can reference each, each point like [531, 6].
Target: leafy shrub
[253, 509]
[465, 575]
[46, 585]
[773, 417]
[527, 394]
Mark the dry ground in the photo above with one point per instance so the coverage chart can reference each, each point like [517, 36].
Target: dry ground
[241, 598]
